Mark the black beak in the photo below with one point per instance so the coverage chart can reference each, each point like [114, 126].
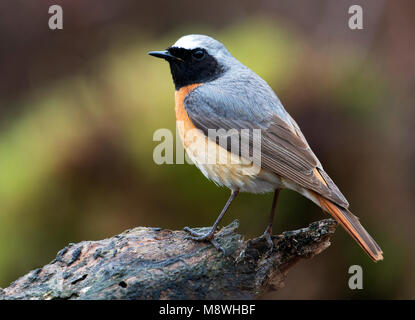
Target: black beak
[166, 55]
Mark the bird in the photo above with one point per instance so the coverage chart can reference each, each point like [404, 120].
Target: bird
[213, 92]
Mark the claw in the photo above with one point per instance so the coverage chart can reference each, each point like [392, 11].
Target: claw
[208, 237]
[197, 236]
[217, 246]
[270, 243]
[268, 238]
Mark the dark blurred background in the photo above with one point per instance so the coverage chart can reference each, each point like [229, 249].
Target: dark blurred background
[79, 106]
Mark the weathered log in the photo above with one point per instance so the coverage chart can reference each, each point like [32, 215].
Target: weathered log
[154, 263]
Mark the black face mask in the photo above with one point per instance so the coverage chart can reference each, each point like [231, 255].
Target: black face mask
[192, 66]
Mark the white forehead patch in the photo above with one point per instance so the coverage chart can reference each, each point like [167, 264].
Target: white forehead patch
[212, 46]
[188, 42]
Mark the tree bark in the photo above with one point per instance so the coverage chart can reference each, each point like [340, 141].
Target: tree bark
[154, 263]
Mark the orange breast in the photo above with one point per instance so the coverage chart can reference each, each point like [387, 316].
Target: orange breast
[191, 137]
[181, 114]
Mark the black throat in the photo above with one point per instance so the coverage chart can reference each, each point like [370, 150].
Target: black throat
[189, 69]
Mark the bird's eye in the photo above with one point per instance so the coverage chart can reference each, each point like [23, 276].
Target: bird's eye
[198, 54]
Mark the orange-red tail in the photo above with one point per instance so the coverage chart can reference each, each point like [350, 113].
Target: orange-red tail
[352, 225]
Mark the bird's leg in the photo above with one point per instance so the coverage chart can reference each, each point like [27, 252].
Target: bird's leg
[268, 230]
[209, 235]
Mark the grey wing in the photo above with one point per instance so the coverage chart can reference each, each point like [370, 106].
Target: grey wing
[284, 149]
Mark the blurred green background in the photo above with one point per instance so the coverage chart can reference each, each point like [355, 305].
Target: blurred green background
[79, 106]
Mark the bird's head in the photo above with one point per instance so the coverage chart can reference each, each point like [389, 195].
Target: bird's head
[195, 59]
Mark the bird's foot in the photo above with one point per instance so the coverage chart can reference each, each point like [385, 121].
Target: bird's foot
[262, 245]
[208, 237]
[268, 237]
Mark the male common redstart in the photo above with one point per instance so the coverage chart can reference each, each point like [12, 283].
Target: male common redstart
[214, 91]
